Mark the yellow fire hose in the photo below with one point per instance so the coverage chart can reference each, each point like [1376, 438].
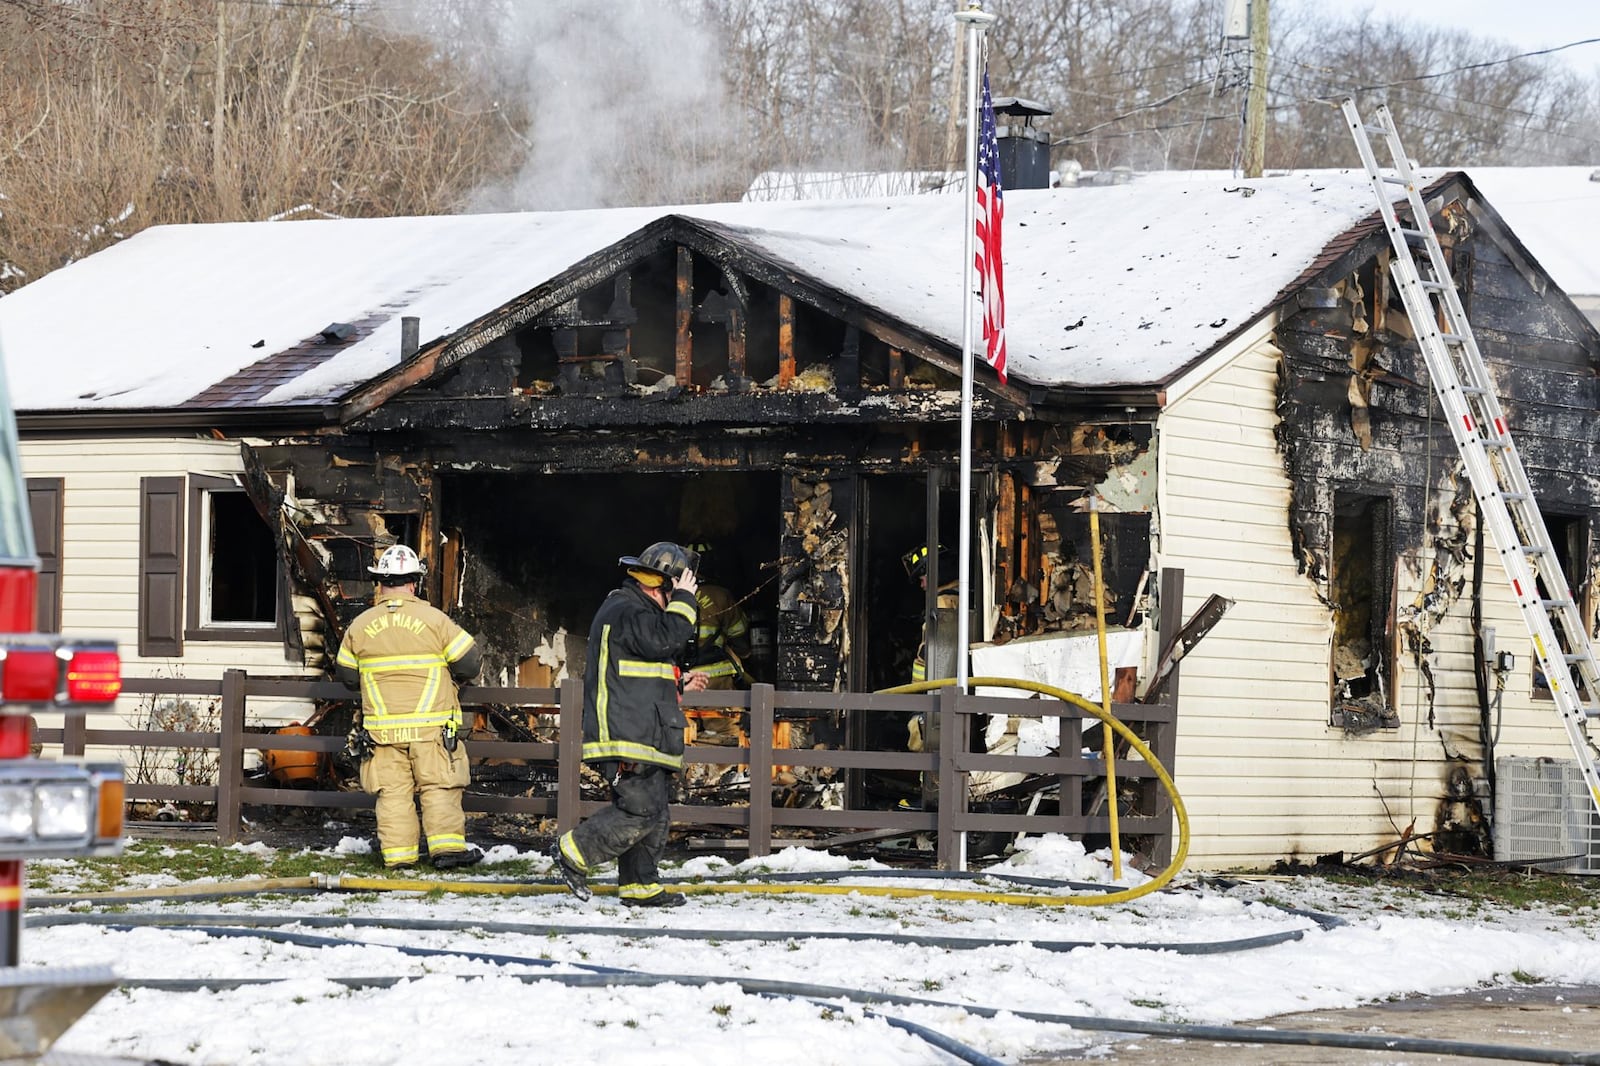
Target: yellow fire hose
[1111, 723]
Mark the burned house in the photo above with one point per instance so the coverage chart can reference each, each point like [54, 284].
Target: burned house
[252, 411]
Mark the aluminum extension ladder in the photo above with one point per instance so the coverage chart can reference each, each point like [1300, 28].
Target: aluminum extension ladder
[1465, 391]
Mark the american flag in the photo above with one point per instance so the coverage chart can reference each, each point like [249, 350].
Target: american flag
[987, 256]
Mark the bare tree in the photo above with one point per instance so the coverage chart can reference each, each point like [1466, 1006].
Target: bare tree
[119, 114]
[129, 113]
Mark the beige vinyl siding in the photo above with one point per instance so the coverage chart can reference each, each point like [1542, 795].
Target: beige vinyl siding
[1253, 706]
[100, 555]
[1262, 772]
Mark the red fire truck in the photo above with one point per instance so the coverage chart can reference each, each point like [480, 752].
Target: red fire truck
[47, 808]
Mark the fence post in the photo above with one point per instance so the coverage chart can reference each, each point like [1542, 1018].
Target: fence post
[1163, 738]
[230, 756]
[569, 757]
[761, 759]
[952, 784]
[74, 736]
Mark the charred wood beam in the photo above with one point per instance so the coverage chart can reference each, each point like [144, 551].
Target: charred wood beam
[738, 317]
[683, 366]
[848, 378]
[743, 410]
[897, 369]
[785, 340]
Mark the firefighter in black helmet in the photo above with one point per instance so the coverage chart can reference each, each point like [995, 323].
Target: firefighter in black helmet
[632, 724]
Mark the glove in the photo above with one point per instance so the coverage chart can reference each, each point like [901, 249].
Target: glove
[358, 743]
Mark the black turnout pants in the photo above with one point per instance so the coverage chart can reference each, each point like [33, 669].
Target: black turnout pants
[633, 830]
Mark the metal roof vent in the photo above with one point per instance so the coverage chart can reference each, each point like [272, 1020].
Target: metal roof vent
[337, 332]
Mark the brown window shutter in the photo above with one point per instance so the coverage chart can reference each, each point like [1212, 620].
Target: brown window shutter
[161, 566]
[45, 505]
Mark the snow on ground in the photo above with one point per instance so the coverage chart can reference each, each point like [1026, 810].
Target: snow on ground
[452, 1009]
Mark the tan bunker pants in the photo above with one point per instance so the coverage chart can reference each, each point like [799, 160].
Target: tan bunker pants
[395, 774]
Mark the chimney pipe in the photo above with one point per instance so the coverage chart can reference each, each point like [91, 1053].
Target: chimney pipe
[1024, 150]
[410, 330]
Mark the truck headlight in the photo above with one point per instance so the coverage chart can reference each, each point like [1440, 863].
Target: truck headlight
[63, 811]
[60, 809]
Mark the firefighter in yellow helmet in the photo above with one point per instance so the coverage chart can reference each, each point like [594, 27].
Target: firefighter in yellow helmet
[722, 643]
[632, 723]
[948, 597]
[407, 657]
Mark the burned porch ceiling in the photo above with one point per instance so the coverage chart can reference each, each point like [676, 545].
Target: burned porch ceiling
[1106, 288]
[694, 328]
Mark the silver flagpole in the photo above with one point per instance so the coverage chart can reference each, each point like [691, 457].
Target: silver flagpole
[977, 23]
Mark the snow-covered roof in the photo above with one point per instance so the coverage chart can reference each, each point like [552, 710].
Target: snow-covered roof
[1555, 213]
[1124, 285]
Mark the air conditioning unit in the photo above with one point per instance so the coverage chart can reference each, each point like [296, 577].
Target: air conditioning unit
[1544, 815]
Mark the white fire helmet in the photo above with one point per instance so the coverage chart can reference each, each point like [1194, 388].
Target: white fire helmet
[397, 562]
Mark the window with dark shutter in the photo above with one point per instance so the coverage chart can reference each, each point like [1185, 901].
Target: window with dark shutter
[45, 505]
[233, 572]
[161, 566]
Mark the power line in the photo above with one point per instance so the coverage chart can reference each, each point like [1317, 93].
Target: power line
[1319, 98]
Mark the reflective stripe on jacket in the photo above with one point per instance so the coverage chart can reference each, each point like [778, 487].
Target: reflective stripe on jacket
[723, 628]
[403, 650]
[630, 698]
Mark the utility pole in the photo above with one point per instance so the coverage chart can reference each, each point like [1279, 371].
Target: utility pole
[1255, 109]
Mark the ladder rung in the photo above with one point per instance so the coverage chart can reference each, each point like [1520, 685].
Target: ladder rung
[1394, 180]
[1434, 286]
[1551, 605]
[1453, 338]
[1414, 234]
[1371, 129]
[1473, 390]
[1515, 497]
[1533, 549]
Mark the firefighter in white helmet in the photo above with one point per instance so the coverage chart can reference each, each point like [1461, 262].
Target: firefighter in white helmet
[407, 657]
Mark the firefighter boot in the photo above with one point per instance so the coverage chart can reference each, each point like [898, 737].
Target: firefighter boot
[660, 899]
[450, 860]
[575, 878]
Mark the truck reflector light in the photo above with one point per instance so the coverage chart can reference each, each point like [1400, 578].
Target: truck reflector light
[94, 676]
[113, 798]
[16, 736]
[28, 675]
[19, 599]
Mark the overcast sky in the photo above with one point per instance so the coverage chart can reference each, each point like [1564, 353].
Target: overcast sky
[1526, 24]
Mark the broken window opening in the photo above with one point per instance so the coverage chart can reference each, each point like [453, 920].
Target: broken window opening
[1361, 583]
[234, 563]
[1569, 536]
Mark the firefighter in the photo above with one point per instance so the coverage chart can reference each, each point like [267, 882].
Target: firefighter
[919, 736]
[407, 657]
[721, 644]
[632, 724]
[948, 597]
[723, 638]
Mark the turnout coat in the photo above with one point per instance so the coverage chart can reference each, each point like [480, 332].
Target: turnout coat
[630, 703]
